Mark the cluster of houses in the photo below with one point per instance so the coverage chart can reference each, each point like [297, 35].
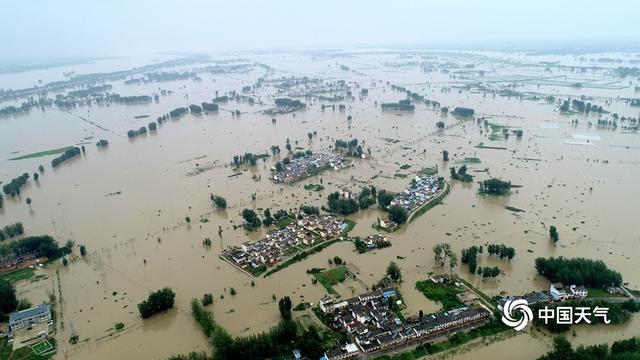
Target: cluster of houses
[419, 192]
[375, 241]
[372, 327]
[305, 166]
[279, 244]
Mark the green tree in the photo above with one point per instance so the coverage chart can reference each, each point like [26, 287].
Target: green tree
[158, 301]
[394, 273]
[219, 201]
[284, 305]
[398, 214]
[8, 300]
[553, 234]
[29, 201]
[83, 250]
[445, 155]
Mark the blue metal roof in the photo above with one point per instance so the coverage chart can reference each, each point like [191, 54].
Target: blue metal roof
[29, 312]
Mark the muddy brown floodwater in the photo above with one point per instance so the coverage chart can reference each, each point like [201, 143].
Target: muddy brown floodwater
[127, 203]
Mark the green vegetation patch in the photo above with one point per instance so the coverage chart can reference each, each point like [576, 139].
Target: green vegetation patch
[22, 274]
[428, 171]
[514, 209]
[445, 295]
[313, 187]
[301, 256]
[405, 166]
[469, 160]
[283, 222]
[496, 131]
[328, 278]
[42, 153]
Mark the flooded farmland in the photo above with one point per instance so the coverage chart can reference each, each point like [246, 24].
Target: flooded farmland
[128, 202]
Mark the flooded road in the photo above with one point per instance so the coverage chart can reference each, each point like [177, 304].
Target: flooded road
[128, 202]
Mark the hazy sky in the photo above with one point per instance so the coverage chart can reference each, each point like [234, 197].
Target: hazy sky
[63, 28]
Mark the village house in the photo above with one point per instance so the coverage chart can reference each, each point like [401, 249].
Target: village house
[29, 317]
[578, 292]
[557, 291]
[282, 243]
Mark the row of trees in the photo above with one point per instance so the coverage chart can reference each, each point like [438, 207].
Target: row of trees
[247, 158]
[158, 301]
[210, 106]
[133, 133]
[621, 349]
[501, 250]
[12, 230]
[488, 272]
[470, 257]
[578, 271]
[68, 154]
[13, 187]
[43, 245]
[495, 186]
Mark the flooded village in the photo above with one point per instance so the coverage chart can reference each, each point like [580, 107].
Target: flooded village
[127, 240]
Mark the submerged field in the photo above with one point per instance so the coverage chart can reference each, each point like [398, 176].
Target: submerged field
[128, 202]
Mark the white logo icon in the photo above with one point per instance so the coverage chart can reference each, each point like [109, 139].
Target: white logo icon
[509, 310]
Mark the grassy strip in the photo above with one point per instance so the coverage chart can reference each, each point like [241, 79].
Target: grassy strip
[431, 204]
[469, 161]
[445, 295]
[428, 171]
[301, 256]
[42, 153]
[22, 274]
[350, 225]
[599, 293]
[483, 146]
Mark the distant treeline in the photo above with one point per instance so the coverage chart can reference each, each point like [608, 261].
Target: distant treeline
[13, 187]
[178, 112]
[405, 105]
[90, 91]
[134, 133]
[210, 106]
[289, 103]
[170, 76]
[12, 230]
[463, 111]
[68, 154]
[130, 99]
